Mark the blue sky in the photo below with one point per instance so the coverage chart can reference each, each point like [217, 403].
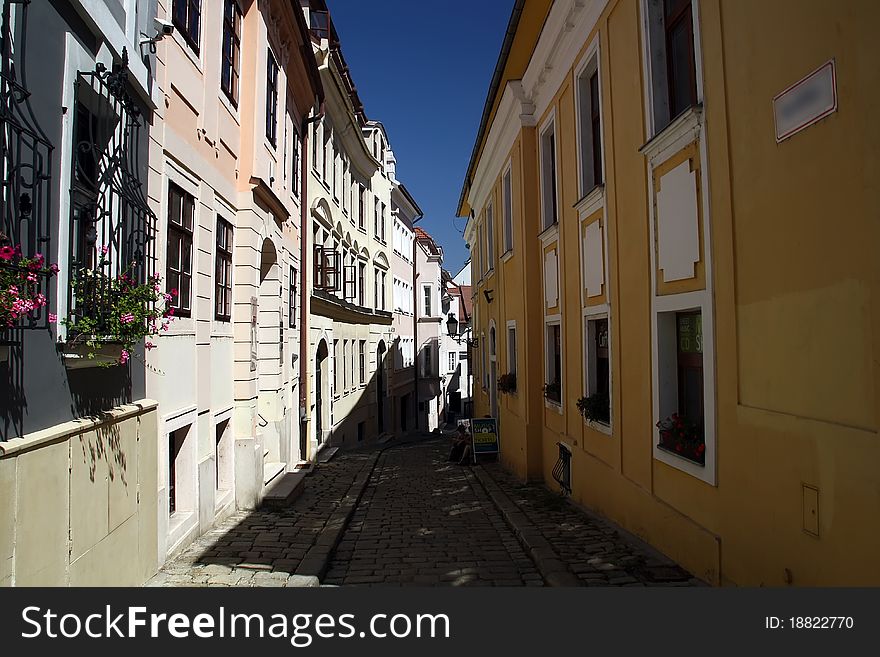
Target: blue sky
[423, 69]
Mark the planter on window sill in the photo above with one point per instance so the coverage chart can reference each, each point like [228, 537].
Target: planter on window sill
[76, 355]
[689, 455]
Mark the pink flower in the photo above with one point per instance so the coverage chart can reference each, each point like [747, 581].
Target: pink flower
[149, 346]
[53, 318]
[32, 278]
[39, 259]
[126, 318]
[53, 268]
[105, 249]
[167, 297]
[6, 252]
[123, 357]
[173, 291]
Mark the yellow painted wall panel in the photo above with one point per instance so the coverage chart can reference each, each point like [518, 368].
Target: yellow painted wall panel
[89, 477]
[41, 526]
[7, 518]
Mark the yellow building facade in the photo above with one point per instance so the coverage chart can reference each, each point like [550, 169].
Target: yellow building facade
[672, 209]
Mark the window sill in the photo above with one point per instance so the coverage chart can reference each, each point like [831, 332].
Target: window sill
[689, 121]
[601, 427]
[556, 406]
[507, 256]
[230, 107]
[591, 201]
[549, 233]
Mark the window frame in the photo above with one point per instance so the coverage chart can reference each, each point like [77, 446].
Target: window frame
[230, 49]
[185, 25]
[549, 126]
[185, 235]
[507, 208]
[588, 69]
[223, 256]
[591, 357]
[272, 71]
[554, 324]
[511, 346]
[428, 301]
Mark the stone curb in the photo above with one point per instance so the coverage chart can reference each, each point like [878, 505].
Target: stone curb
[553, 569]
[314, 564]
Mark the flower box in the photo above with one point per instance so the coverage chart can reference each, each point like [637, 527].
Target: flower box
[79, 356]
[507, 383]
[683, 438]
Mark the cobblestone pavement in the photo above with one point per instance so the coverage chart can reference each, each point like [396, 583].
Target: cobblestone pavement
[597, 552]
[265, 547]
[419, 521]
[423, 521]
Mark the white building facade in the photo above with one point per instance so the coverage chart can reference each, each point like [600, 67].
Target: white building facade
[349, 269]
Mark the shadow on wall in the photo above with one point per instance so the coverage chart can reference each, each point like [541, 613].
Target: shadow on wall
[37, 391]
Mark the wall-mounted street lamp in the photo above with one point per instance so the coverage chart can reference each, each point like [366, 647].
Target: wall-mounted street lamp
[452, 329]
[488, 295]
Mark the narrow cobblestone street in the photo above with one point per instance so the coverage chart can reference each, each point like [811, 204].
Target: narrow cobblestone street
[405, 516]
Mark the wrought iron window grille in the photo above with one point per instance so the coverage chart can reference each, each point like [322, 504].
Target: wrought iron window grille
[562, 469]
[25, 162]
[111, 224]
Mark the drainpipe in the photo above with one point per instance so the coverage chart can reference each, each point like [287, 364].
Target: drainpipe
[303, 268]
[416, 318]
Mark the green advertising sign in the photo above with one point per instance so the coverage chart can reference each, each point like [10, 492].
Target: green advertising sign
[484, 433]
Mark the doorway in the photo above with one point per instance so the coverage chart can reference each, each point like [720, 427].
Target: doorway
[320, 378]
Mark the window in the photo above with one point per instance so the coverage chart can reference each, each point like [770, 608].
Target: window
[223, 271]
[553, 387]
[451, 361]
[326, 152]
[362, 360]
[548, 176]
[362, 202]
[231, 54]
[427, 359]
[381, 292]
[672, 59]
[511, 349]
[689, 334]
[335, 367]
[427, 291]
[362, 283]
[598, 368]
[327, 265]
[484, 264]
[315, 146]
[680, 55]
[187, 17]
[175, 443]
[345, 364]
[590, 128]
[178, 272]
[507, 211]
[296, 163]
[334, 150]
[376, 205]
[271, 98]
[291, 301]
[222, 461]
[382, 223]
[490, 238]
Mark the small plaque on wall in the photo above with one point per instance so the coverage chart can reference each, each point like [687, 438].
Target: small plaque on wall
[806, 101]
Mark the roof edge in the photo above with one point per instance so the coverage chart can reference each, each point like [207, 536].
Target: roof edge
[492, 93]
